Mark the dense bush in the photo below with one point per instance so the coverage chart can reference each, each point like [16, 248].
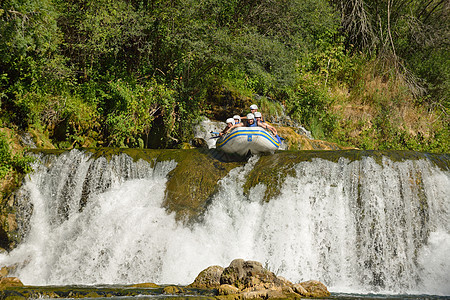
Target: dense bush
[9, 162]
[138, 73]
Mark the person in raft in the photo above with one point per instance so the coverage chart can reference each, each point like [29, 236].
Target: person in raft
[237, 121]
[230, 125]
[253, 109]
[251, 122]
[263, 124]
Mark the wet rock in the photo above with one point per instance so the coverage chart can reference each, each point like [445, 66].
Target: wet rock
[209, 278]
[252, 281]
[315, 288]
[172, 289]
[261, 294]
[275, 293]
[245, 274]
[145, 285]
[299, 289]
[286, 282]
[27, 140]
[4, 272]
[226, 289]
[185, 146]
[6, 282]
[192, 182]
[199, 143]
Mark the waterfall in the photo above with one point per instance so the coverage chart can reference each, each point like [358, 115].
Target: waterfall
[359, 226]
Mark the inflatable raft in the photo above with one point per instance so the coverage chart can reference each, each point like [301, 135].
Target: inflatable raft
[241, 140]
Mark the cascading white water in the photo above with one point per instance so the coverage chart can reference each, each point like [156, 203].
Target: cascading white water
[358, 226]
[204, 128]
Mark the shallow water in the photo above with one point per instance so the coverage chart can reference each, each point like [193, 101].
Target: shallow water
[121, 292]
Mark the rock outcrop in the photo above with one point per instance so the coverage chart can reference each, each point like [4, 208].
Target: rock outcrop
[315, 288]
[6, 282]
[208, 278]
[249, 275]
[250, 280]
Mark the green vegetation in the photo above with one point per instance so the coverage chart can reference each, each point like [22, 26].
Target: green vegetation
[9, 162]
[362, 73]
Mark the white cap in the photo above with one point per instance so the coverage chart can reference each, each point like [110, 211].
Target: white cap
[258, 114]
[237, 117]
[250, 116]
[253, 106]
[230, 120]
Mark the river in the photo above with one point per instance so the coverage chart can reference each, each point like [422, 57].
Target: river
[362, 226]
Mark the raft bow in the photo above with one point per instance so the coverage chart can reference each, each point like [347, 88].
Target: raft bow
[241, 140]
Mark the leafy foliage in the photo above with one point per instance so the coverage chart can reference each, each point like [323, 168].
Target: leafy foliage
[9, 162]
[139, 73]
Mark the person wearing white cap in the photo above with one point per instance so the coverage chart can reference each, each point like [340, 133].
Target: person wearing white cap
[263, 124]
[251, 122]
[230, 125]
[237, 120]
[253, 109]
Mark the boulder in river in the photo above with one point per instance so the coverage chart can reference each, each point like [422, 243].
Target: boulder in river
[208, 278]
[250, 280]
[249, 274]
[315, 288]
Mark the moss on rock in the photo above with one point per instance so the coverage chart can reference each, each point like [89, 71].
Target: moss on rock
[145, 285]
[192, 183]
[173, 290]
[271, 170]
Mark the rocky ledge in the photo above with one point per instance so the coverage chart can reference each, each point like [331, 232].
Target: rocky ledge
[240, 280]
[250, 280]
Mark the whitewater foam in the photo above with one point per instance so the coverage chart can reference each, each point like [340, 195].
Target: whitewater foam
[358, 226]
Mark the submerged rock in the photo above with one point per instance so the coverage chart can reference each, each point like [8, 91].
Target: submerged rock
[145, 285]
[172, 289]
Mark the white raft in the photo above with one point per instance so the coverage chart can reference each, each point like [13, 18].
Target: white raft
[241, 140]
